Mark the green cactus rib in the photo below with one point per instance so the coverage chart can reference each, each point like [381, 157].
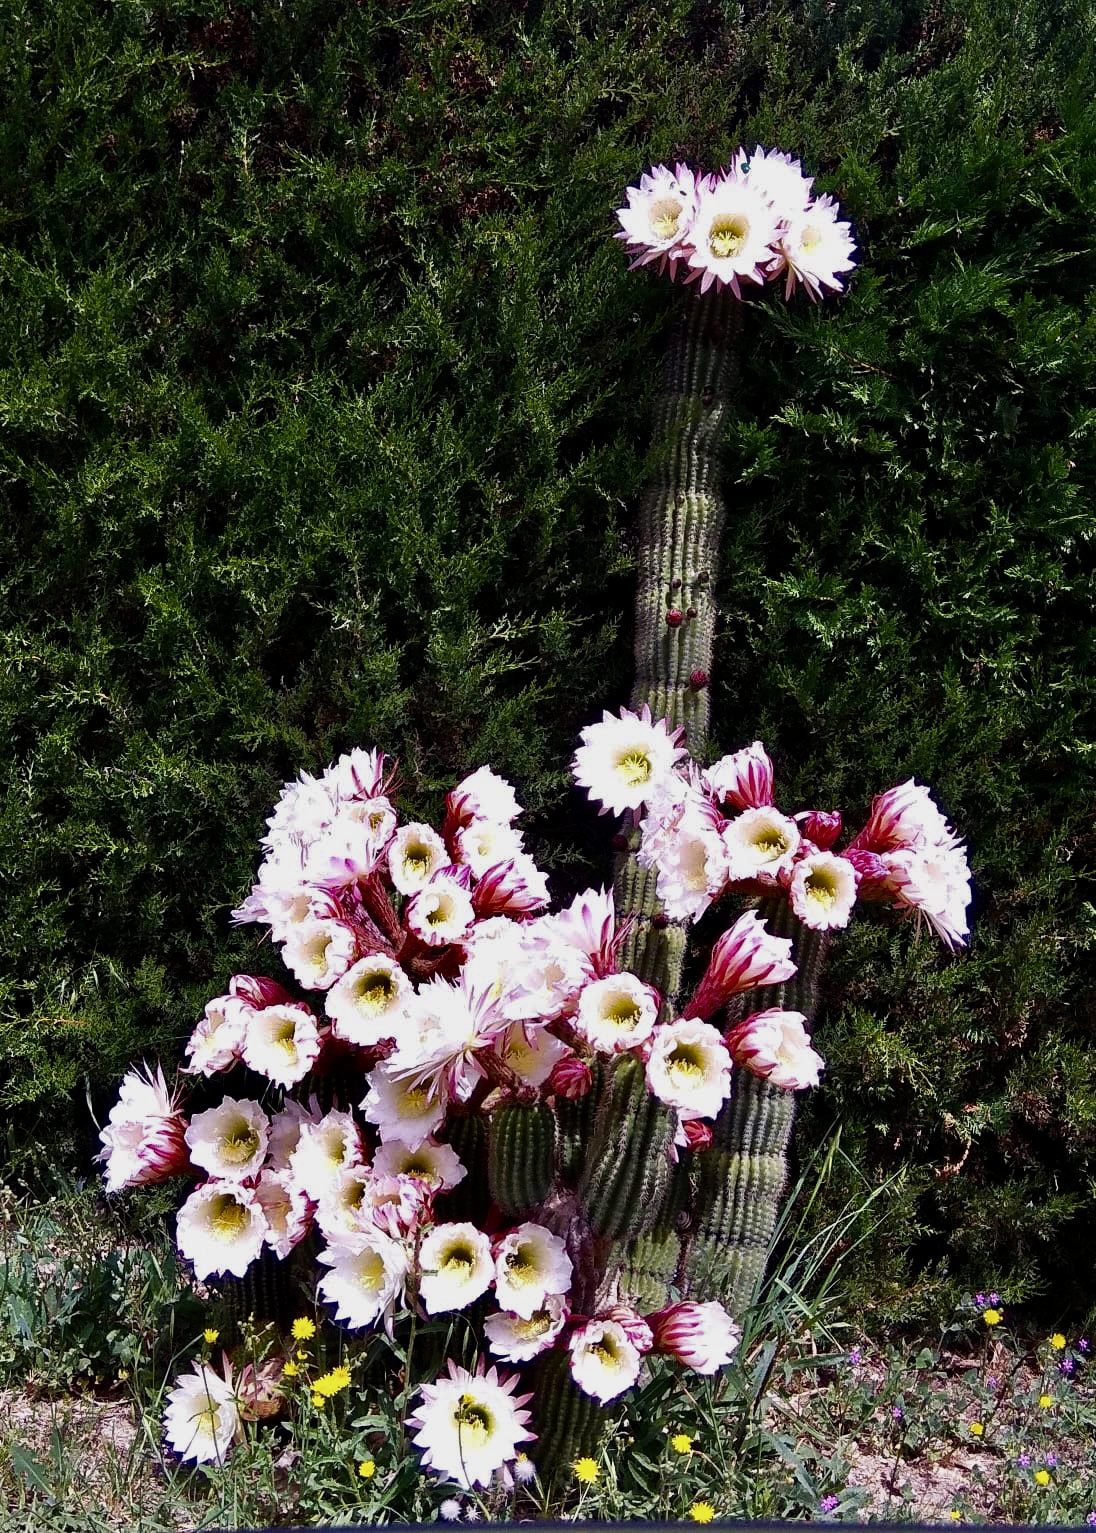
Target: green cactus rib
[628, 1173]
[269, 1291]
[521, 1156]
[575, 1120]
[568, 1422]
[470, 1199]
[680, 522]
[740, 1180]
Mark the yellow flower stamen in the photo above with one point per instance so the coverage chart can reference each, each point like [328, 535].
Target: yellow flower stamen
[586, 1470]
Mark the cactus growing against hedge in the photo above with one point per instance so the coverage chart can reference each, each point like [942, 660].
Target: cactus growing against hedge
[545, 1115]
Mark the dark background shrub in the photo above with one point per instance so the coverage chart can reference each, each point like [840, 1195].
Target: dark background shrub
[325, 394]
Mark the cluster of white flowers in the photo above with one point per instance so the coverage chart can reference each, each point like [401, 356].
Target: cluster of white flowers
[440, 986]
[707, 831]
[756, 222]
[448, 989]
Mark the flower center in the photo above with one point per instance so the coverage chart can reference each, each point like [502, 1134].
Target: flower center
[821, 888]
[536, 1325]
[520, 1265]
[285, 1039]
[227, 1217]
[473, 1421]
[370, 1270]
[810, 237]
[415, 1100]
[440, 913]
[665, 214]
[375, 991]
[727, 235]
[459, 1261]
[770, 842]
[605, 1351]
[416, 860]
[240, 1145]
[686, 1060]
[635, 768]
[206, 1421]
[622, 1013]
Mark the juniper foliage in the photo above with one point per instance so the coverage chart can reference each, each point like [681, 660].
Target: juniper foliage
[325, 395]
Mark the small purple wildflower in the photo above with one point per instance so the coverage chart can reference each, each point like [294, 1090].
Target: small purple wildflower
[995, 1298]
[1024, 1460]
[829, 1504]
[993, 1382]
[854, 1357]
[980, 1300]
[1091, 1519]
[1084, 1344]
[1051, 1460]
[898, 1413]
[1066, 1366]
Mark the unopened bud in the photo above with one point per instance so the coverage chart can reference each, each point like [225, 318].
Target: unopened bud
[698, 1134]
[620, 842]
[822, 826]
[571, 1077]
[674, 618]
[675, 583]
[691, 612]
[660, 920]
[698, 680]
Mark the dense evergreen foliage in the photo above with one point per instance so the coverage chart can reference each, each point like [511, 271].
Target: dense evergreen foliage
[324, 396]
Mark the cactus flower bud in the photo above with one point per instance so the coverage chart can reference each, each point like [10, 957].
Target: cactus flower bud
[258, 991]
[698, 1134]
[698, 680]
[775, 1045]
[674, 618]
[571, 1078]
[745, 778]
[744, 957]
[822, 826]
[702, 1336]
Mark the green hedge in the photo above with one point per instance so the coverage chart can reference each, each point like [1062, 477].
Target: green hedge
[324, 400]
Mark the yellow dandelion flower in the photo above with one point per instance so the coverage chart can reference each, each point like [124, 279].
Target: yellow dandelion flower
[1058, 1342]
[702, 1511]
[290, 1371]
[681, 1442]
[955, 1516]
[332, 1383]
[209, 1335]
[318, 1400]
[302, 1355]
[991, 1316]
[976, 1429]
[1042, 1477]
[303, 1329]
[1046, 1401]
[367, 1469]
[586, 1470]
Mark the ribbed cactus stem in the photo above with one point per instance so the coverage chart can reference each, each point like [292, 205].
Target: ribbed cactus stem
[680, 522]
[739, 1181]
